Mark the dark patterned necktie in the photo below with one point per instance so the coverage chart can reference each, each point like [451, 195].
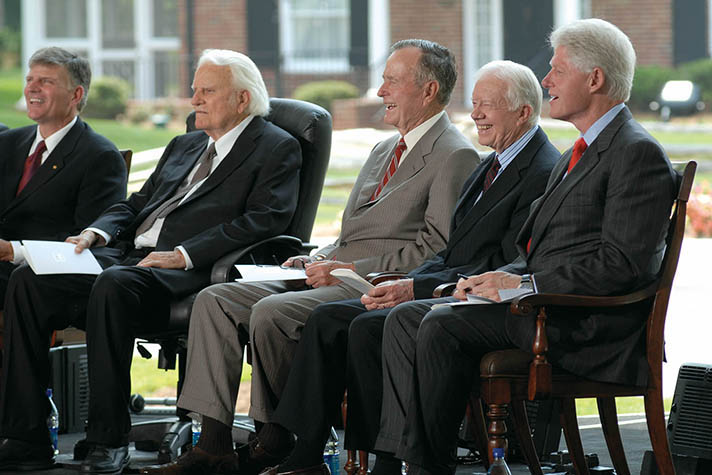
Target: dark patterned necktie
[491, 174]
[32, 163]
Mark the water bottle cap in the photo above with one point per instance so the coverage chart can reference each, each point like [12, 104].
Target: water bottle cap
[49, 392]
[498, 453]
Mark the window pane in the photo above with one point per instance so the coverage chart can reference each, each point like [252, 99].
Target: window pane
[300, 5]
[117, 21]
[165, 18]
[66, 18]
[125, 69]
[323, 38]
[483, 32]
[166, 73]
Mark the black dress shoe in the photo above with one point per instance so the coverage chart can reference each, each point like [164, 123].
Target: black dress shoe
[197, 461]
[21, 456]
[103, 459]
[321, 469]
[254, 458]
[82, 449]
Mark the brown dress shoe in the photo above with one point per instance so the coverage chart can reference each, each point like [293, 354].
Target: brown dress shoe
[197, 461]
[321, 469]
[254, 458]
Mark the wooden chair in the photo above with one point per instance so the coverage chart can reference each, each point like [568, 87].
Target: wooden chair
[509, 377]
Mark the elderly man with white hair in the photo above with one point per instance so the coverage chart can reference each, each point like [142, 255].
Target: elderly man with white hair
[599, 229]
[213, 191]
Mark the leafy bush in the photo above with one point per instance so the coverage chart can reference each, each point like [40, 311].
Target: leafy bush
[647, 84]
[323, 92]
[699, 211]
[108, 97]
[10, 45]
[699, 72]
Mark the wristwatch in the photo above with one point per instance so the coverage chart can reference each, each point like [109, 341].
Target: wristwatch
[526, 282]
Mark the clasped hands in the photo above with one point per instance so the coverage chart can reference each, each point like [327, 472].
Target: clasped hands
[162, 259]
[486, 285]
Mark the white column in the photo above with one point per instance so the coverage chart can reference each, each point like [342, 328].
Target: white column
[379, 40]
[566, 11]
[33, 28]
[143, 15]
[94, 33]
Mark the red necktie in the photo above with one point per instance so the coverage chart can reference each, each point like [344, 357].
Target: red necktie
[32, 163]
[579, 148]
[491, 174]
[392, 167]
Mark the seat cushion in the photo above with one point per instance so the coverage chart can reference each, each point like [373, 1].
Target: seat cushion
[506, 362]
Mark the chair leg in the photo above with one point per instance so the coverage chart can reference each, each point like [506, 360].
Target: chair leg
[477, 427]
[524, 436]
[609, 422]
[655, 415]
[350, 467]
[362, 462]
[572, 435]
[497, 428]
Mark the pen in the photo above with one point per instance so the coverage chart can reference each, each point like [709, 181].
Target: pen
[463, 276]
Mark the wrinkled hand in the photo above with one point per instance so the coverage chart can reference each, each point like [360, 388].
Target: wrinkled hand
[298, 262]
[486, 285]
[318, 272]
[163, 260]
[85, 240]
[389, 294]
[6, 252]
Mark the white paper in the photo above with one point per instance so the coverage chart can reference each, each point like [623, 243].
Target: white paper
[252, 273]
[506, 296]
[53, 257]
[352, 279]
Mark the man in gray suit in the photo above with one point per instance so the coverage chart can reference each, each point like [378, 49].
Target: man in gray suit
[396, 217]
[598, 229]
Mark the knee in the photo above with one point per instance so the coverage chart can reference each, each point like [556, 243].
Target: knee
[21, 276]
[366, 328]
[111, 281]
[204, 301]
[264, 316]
[434, 326]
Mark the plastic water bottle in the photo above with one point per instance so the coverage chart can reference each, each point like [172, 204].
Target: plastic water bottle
[196, 426]
[499, 466]
[53, 423]
[331, 452]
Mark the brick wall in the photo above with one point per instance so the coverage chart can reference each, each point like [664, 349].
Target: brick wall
[648, 24]
[435, 20]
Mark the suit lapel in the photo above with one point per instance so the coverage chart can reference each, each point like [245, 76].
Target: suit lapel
[375, 174]
[15, 167]
[555, 196]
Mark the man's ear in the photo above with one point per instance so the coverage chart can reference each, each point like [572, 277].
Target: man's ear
[77, 95]
[430, 91]
[243, 100]
[525, 113]
[596, 80]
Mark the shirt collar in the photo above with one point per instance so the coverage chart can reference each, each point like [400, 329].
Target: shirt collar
[53, 140]
[414, 136]
[593, 132]
[509, 153]
[224, 144]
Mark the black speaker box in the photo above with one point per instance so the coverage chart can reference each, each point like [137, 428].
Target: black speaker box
[69, 380]
[690, 422]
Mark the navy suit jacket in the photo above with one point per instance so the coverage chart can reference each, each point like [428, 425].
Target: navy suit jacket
[250, 196]
[484, 239]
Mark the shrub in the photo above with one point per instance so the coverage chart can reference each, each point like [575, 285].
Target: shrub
[647, 84]
[699, 72]
[323, 92]
[699, 211]
[108, 97]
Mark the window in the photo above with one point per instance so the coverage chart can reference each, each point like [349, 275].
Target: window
[165, 18]
[117, 24]
[124, 69]
[315, 35]
[165, 67]
[66, 18]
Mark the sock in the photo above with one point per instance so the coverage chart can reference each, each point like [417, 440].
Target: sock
[215, 437]
[386, 464]
[275, 439]
[306, 454]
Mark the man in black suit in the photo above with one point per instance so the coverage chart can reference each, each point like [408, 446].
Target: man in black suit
[77, 173]
[599, 229]
[494, 203]
[209, 194]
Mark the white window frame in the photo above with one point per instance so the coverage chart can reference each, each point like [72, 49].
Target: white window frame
[471, 62]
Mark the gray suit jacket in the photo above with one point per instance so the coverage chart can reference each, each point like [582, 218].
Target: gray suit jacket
[410, 220]
[600, 231]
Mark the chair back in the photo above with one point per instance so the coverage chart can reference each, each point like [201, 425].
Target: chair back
[128, 155]
[311, 125]
[673, 241]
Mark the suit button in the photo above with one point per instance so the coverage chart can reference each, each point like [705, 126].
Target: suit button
[344, 244]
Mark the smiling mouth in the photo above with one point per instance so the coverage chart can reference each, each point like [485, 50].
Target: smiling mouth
[36, 100]
[390, 106]
[553, 98]
[483, 127]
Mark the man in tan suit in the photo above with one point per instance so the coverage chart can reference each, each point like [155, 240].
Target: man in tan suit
[397, 216]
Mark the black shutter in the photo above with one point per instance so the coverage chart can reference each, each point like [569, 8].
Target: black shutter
[263, 31]
[358, 54]
[689, 30]
[527, 26]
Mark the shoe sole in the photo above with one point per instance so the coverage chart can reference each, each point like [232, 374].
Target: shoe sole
[124, 464]
[27, 466]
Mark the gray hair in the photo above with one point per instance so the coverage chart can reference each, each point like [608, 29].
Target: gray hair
[245, 75]
[522, 85]
[437, 63]
[77, 67]
[595, 43]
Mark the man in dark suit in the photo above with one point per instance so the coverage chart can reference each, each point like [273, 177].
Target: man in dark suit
[209, 194]
[598, 229]
[57, 176]
[494, 203]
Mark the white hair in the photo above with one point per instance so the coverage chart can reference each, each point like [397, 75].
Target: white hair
[522, 85]
[596, 43]
[245, 75]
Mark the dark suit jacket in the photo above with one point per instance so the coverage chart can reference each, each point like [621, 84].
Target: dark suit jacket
[83, 176]
[250, 196]
[484, 239]
[600, 231]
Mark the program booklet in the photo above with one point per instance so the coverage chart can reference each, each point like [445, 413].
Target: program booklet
[352, 279]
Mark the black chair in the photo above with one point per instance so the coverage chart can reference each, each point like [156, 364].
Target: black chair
[311, 125]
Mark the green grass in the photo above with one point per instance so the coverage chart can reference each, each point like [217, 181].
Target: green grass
[624, 405]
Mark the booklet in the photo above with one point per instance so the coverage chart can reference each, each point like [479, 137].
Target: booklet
[352, 279]
[54, 257]
[506, 295]
[258, 273]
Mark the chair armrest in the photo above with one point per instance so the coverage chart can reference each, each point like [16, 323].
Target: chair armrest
[277, 246]
[444, 290]
[377, 277]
